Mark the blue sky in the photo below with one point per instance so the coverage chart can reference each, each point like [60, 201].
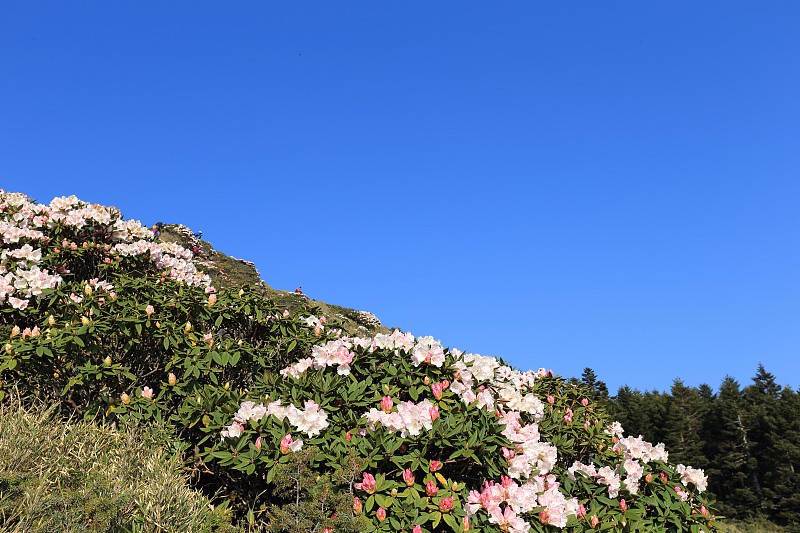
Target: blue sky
[566, 185]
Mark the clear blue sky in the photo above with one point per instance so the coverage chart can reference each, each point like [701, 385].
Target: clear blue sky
[562, 184]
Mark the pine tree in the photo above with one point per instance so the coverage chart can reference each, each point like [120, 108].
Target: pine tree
[763, 401]
[782, 478]
[684, 424]
[598, 388]
[728, 448]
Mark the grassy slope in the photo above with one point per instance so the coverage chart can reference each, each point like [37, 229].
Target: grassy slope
[229, 272]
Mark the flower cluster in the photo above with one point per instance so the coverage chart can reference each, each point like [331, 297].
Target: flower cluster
[511, 396]
[507, 500]
[695, 476]
[24, 229]
[409, 418]
[311, 420]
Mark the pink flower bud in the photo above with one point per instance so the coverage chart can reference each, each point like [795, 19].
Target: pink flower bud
[348, 437]
[149, 310]
[550, 399]
[437, 389]
[431, 488]
[368, 484]
[258, 443]
[585, 402]
[581, 511]
[446, 504]
[594, 521]
[417, 529]
[408, 477]
[147, 392]
[286, 443]
[623, 505]
[381, 514]
[434, 412]
[386, 404]
[357, 506]
[435, 466]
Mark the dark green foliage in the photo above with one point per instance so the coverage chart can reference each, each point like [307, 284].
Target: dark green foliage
[747, 440]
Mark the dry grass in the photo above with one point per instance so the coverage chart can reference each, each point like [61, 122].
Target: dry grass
[78, 476]
[754, 525]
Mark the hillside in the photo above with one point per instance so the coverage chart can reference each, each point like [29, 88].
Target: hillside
[292, 415]
[228, 272]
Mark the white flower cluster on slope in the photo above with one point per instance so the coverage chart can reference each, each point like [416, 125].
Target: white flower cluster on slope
[409, 419]
[22, 275]
[310, 420]
[483, 382]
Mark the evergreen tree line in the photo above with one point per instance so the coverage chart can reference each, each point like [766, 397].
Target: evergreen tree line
[746, 439]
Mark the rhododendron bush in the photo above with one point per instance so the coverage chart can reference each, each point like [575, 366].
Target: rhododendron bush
[411, 435]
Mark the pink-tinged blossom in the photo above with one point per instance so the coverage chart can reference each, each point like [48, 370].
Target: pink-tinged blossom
[289, 445]
[367, 484]
[508, 520]
[380, 514]
[623, 505]
[18, 303]
[311, 420]
[408, 477]
[429, 351]
[258, 443]
[357, 506]
[695, 476]
[638, 448]
[436, 389]
[590, 470]
[249, 410]
[446, 504]
[614, 429]
[298, 368]
[435, 466]
[434, 413]
[558, 507]
[333, 353]
[417, 529]
[387, 404]
[607, 476]
[147, 392]
[408, 419]
[634, 472]
[594, 521]
[431, 489]
[149, 310]
[234, 430]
